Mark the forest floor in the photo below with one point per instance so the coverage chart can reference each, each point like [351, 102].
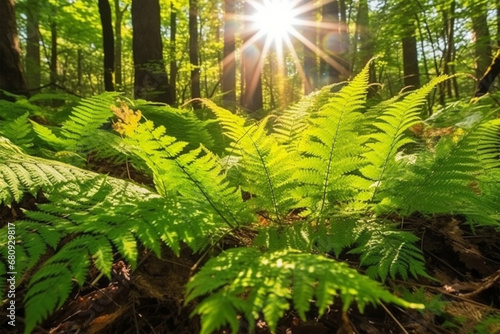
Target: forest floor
[462, 295]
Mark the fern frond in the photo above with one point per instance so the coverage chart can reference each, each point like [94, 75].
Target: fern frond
[384, 144]
[293, 121]
[19, 131]
[251, 283]
[266, 168]
[196, 175]
[445, 179]
[79, 132]
[332, 147]
[388, 252]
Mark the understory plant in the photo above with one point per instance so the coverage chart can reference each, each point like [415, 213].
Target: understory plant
[325, 177]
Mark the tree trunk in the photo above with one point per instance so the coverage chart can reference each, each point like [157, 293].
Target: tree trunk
[173, 63]
[482, 40]
[108, 44]
[33, 76]
[411, 72]
[53, 52]
[251, 97]
[229, 60]
[331, 42]
[118, 42]
[310, 60]
[194, 50]
[11, 74]
[150, 78]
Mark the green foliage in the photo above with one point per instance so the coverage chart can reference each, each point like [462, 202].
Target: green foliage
[249, 282]
[330, 180]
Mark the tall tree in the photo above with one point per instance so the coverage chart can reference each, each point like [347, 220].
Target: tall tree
[251, 96]
[53, 49]
[330, 39]
[229, 56]
[33, 75]
[194, 53]
[108, 44]
[11, 74]
[310, 33]
[411, 72]
[482, 39]
[118, 42]
[150, 78]
[173, 46]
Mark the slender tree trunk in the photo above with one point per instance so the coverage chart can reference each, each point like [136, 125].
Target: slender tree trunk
[310, 60]
[53, 52]
[11, 74]
[449, 52]
[150, 79]
[33, 76]
[410, 57]
[344, 41]
[229, 60]
[331, 42]
[498, 22]
[194, 52]
[482, 37]
[173, 63]
[118, 42]
[79, 72]
[108, 44]
[251, 97]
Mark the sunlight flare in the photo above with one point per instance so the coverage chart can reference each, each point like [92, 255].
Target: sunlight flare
[275, 19]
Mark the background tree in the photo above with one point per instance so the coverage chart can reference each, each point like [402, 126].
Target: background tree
[108, 44]
[11, 74]
[229, 55]
[150, 80]
[33, 75]
[251, 95]
[193, 49]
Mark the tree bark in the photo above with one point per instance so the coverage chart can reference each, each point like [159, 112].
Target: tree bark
[194, 50]
[173, 63]
[251, 97]
[108, 44]
[331, 42]
[118, 42]
[411, 71]
[53, 52]
[150, 78]
[310, 60]
[11, 74]
[229, 60]
[33, 76]
[482, 37]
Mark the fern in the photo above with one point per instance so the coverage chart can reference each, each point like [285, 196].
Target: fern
[195, 175]
[81, 132]
[446, 178]
[389, 252]
[384, 144]
[332, 148]
[266, 167]
[250, 283]
[292, 122]
[19, 131]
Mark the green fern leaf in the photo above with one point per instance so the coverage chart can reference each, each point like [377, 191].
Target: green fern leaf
[332, 147]
[250, 282]
[392, 124]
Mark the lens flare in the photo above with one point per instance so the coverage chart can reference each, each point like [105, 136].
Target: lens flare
[275, 19]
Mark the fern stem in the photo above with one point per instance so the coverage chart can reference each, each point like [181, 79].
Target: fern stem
[329, 166]
[269, 182]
